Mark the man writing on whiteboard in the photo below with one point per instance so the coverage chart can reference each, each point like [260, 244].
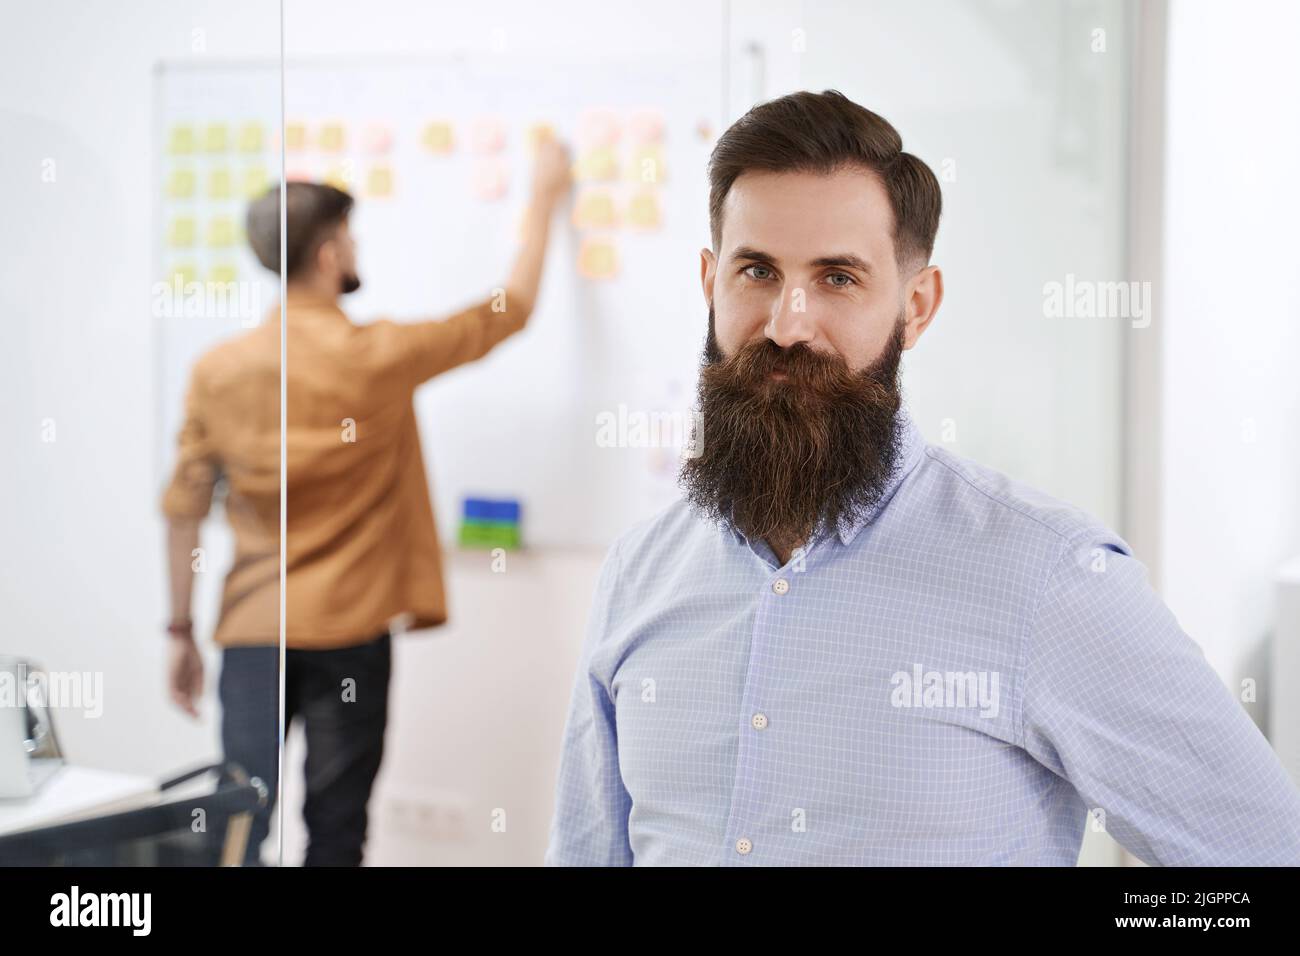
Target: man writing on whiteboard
[362, 546]
[847, 646]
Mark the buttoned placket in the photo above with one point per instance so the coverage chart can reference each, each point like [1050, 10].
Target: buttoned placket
[750, 800]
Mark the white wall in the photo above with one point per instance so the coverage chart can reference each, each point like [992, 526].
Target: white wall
[1231, 335]
[82, 584]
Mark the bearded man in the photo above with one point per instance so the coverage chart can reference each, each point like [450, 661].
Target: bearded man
[846, 646]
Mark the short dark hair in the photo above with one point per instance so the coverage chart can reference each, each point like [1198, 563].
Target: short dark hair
[821, 133]
[312, 211]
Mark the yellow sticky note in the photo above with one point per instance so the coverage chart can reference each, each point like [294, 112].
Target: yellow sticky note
[181, 232]
[223, 272]
[181, 140]
[597, 258]
[215, 138]
[539, 133]
[596, 165]
[331, 138]
[221, 232]
[254, 182]
[647, 164]
[295, 136]
[180, 184]
[340, 177]
[643, 210]
[594, 209]
[379, 181]
[250, 138]
[182, 272]
[219, 184]
[438, 138]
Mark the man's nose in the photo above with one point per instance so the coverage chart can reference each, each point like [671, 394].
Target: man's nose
[790, 321]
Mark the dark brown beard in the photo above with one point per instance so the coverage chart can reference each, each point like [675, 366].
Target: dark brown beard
[782, 458]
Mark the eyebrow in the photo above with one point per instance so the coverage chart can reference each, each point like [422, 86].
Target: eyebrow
[845, 259]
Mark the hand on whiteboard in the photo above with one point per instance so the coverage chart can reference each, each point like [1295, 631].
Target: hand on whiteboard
[551, 171]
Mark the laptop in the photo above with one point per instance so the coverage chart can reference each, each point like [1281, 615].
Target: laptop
[21, 774]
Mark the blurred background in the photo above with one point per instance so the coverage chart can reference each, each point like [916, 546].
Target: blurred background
[1086, 144]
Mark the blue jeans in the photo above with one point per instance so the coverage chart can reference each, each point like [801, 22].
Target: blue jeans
[341, 695]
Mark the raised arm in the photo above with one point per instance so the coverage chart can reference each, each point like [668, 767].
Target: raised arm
[421, 350]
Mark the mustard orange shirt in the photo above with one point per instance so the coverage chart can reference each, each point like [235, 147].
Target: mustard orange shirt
[362, 545]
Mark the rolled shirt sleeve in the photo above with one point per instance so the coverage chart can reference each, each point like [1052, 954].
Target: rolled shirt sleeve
[417, 351]
[1122, 703]
[590, 825]
[189, 492]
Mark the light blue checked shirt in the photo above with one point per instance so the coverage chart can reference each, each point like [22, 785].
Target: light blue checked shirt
[970, 675]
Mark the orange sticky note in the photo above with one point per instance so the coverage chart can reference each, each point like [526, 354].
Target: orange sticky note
[643, 210]
[597, 258]
[594, 209]
[539, 133]
[647, 165]
[596, 165]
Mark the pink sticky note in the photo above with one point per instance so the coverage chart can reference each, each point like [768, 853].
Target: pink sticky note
[488, 135]
[646, 126]
[377, 138]
[491, 176]
[597, 128]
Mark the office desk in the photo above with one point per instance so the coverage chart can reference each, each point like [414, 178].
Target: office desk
[75, 793]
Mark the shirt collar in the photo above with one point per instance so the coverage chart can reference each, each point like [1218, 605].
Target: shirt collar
[304, 303]
[911, 448]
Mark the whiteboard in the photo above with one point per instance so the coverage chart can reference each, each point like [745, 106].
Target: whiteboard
[601, 355]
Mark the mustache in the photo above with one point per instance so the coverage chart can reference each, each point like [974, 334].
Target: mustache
[810, 375]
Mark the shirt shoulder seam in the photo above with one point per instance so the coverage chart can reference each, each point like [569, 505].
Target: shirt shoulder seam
[1065, 538]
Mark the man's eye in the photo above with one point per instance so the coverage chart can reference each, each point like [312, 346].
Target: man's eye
[749, 271]
[841, 275]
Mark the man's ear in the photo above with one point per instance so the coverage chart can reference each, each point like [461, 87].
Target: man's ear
[708, 270]
[924, 294]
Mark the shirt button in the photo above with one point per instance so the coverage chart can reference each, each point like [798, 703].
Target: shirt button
[743, 846]
[759, 721]
[780, 585]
